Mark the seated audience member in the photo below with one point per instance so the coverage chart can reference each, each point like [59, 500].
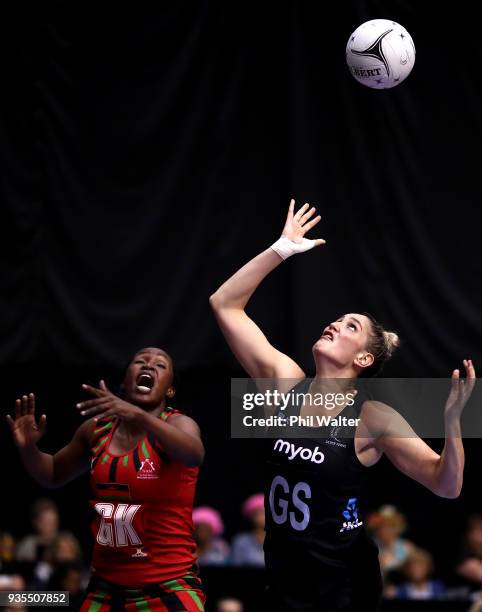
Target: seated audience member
[212, 549]
[469, 566]
[65, 548]
[417, 571]
[7, 549]
[247, 547]
[71, 577]
[229, 604]
[11, 582]
[45, 522]
[387, 525]
[10, 579]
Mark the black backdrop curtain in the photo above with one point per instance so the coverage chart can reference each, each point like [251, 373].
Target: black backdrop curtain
[148, 151]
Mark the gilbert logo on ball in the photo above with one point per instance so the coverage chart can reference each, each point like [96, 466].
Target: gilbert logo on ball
[380, 53]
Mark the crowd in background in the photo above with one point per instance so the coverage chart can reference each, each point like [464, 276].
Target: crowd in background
[50, 558]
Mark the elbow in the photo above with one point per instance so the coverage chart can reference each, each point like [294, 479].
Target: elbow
[454, 494]
[449, 492]
[195, 460]
[192, 456]
[200, 456]
[215, 300]
[221, 303]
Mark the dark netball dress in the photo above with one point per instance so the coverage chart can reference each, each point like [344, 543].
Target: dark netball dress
[318, 554]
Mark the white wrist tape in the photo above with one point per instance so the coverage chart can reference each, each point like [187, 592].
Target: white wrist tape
[286, 247]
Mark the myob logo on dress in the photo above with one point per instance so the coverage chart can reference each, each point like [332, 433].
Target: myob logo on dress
[307, 454]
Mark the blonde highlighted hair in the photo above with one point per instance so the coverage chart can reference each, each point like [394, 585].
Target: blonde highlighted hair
[381, 345]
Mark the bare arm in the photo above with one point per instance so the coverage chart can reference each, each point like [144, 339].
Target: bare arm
[179, 437]
[250, 346]
[416, 459]
[48, 470]
[442, 474]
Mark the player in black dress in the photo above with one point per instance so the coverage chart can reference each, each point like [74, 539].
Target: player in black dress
[317, 552]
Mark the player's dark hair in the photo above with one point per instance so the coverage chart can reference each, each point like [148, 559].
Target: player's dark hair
[381, 344]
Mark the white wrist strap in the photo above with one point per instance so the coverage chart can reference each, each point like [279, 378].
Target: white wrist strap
[286, 247]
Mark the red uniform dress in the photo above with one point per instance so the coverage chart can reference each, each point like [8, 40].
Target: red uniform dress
[143, 531]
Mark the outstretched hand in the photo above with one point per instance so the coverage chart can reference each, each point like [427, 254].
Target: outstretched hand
[460, 390]
[107, 404]
[298, 224]
[25, 429]
[293, 239]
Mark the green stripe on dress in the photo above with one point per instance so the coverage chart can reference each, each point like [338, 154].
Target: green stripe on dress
[125, 460]
[143, 605]
[108, 426]
[196, 600]
[104, 458]
[97, 605]
[175, 585]
[100, 444]
[144, 449]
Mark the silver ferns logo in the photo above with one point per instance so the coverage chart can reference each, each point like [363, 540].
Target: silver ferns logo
[375, 50]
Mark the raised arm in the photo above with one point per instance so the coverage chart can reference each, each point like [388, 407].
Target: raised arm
[48, 470]
[442, 474]
[250, 346]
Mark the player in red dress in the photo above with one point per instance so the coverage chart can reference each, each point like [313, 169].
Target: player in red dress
[143, 458]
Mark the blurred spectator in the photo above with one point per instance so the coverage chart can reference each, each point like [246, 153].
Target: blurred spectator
[11, 582]
[387, 525]
[247, 547]
[45, 522]
[212, 549]
[476, 606]
[417, 571]
[7, 549]
[71, 577]
[64, 549]
[229, 604]
[469, 566]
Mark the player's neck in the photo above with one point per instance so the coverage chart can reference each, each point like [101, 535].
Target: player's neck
[326, 375]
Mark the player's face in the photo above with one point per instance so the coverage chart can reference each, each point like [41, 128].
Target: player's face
[149, 377]
[343, 342]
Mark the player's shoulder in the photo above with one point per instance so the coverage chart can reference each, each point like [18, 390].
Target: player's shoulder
[170, 412]
[377, 415]
[91, 427]
[180, 419]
